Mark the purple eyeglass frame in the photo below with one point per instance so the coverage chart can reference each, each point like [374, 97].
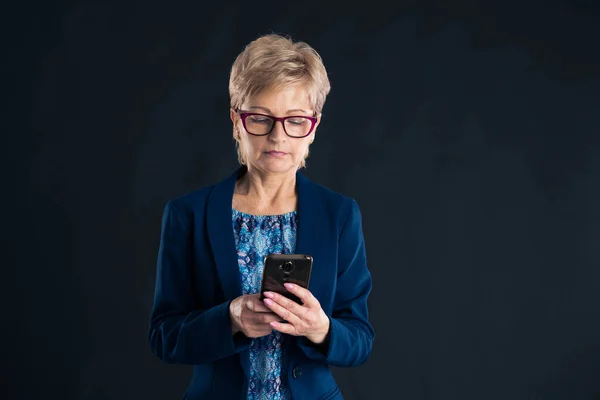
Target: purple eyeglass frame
[245, 114]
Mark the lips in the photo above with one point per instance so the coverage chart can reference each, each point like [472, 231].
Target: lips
[276, 153]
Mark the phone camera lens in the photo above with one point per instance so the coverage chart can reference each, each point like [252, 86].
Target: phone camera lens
[288, 267]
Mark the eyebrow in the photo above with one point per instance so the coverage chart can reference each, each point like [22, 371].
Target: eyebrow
[288, 111]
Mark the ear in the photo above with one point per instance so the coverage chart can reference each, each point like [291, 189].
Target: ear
[314, 132]
[233, 116]
[319, 117]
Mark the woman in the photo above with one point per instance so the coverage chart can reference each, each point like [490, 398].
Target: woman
[207, 310]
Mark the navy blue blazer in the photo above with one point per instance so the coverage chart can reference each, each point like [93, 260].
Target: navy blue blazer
[198, 276]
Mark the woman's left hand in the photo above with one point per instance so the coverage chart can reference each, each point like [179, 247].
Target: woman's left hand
[307, 319]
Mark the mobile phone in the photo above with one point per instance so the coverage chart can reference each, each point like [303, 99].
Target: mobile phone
[285, 268]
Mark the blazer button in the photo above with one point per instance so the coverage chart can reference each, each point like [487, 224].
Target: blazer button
[297, 372]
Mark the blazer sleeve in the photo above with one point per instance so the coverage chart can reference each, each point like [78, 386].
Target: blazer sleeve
[181, 330]
[350, 336]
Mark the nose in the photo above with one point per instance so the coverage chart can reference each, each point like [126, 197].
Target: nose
[278, 132]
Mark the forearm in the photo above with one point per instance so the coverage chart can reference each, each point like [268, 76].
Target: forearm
[350, 343]
[347, 343]
[198, 337]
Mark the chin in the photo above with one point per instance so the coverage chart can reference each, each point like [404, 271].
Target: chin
[277, 167]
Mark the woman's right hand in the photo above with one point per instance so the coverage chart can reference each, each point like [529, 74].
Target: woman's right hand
[250, 316]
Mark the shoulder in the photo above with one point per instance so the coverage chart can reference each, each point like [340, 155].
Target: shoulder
[335, 203]
[191, 200]
[331, 197]
[194, 201]
[184, 208]
[198, 197]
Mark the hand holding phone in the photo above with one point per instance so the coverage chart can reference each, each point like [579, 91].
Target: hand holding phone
[250, 316]
[301, 319]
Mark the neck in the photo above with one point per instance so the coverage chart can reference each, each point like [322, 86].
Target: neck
[267, 188]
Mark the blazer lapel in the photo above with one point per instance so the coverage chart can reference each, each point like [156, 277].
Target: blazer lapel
[309, 211]
[220, 234]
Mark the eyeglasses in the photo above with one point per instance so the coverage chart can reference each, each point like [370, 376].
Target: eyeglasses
[296, 126]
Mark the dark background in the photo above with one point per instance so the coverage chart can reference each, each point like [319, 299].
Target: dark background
[467, 132]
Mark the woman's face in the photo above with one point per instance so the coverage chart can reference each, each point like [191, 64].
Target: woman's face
[275, 152]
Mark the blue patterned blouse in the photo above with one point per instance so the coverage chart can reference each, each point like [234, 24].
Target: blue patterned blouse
[255, 237]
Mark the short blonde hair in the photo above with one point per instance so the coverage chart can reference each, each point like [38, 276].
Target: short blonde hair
[273, 61]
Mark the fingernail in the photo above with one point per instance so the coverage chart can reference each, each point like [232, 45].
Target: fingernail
[269, 295]
[289, 285]
[268, 302]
